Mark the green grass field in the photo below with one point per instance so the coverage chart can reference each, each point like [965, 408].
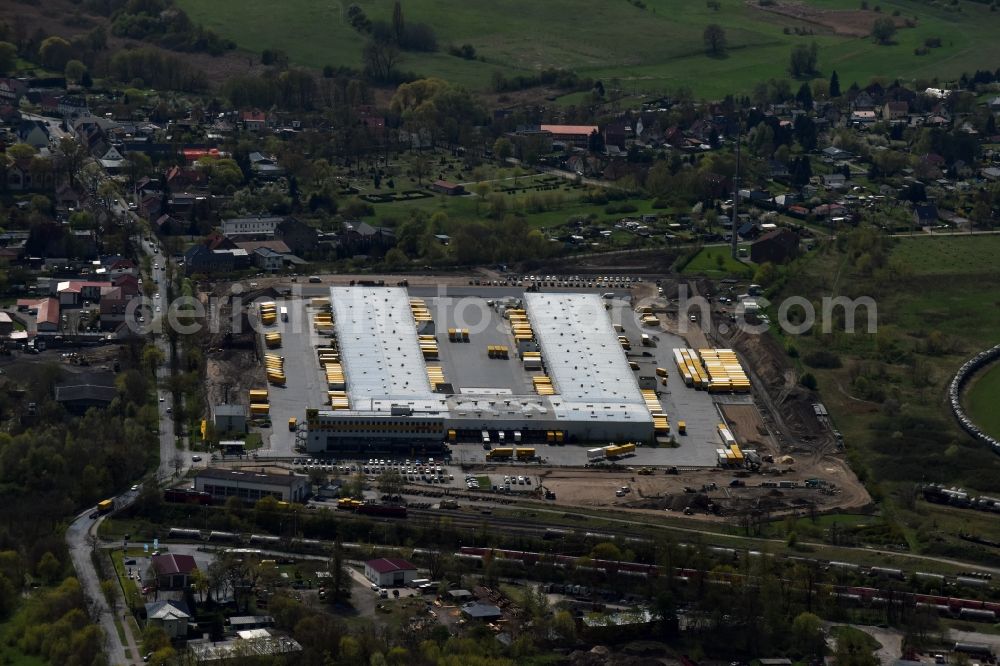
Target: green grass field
[717, 262]
[983, 398]
[949, 255]
[945, 289]
[654, 49]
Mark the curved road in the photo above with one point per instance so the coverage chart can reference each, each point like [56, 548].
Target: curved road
[78, 537]
[81, 533]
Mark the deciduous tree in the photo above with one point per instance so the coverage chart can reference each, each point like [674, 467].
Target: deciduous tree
[714, 37]
[883, 30]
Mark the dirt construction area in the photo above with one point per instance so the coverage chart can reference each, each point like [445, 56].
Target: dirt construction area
[850, 23]
[709, 492]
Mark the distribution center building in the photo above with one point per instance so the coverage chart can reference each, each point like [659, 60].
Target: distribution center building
[392, 404]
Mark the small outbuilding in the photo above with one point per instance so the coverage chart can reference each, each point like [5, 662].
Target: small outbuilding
[477, 610]
[230, 418]
[449, 188]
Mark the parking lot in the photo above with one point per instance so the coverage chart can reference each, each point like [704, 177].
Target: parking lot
[466, 365]
[430, 473]
[305, 386]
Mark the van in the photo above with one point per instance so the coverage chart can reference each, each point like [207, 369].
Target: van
[609, 294]
[314, 279]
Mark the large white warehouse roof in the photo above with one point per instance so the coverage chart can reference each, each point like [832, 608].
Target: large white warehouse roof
[581, 350]
[378, 346]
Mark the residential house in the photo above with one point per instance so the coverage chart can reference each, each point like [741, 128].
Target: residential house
[216, 241]
[200, 259]
[993, 104]
[86, 391]
[74, 292]
[863, 102]
[748, 230]
[834, 181]
[67, 198]
[124, 275]
[863, 117]
[250, 226]
[450, 189]
[786, 200]
[168, 225]
[114, 311]
[265, 167]
[150, 205]
[170, 615]
[390, 571]
[267, 259]
[6, 324]
[71, 106]
[800, 212]
[829, 210]
[991, 173]
[297, 235]
[616, 133]
[45, 311]
[12, 90]
[895, 110]
[254, 121]
[91, 134]
[35, 133]
[189, 205]
[184, 178]
[776, 247]
[112, 160]
[925, 214]
[362, 238]
[836, 153]
[172, 572]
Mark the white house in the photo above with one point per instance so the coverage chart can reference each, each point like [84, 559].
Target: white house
[267, 259]
[250, 226]
[171, 615]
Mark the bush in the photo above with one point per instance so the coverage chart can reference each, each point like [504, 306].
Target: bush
[822, 359]
[809, 381]
[356, 209]
[466, 51]
[615, 209]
